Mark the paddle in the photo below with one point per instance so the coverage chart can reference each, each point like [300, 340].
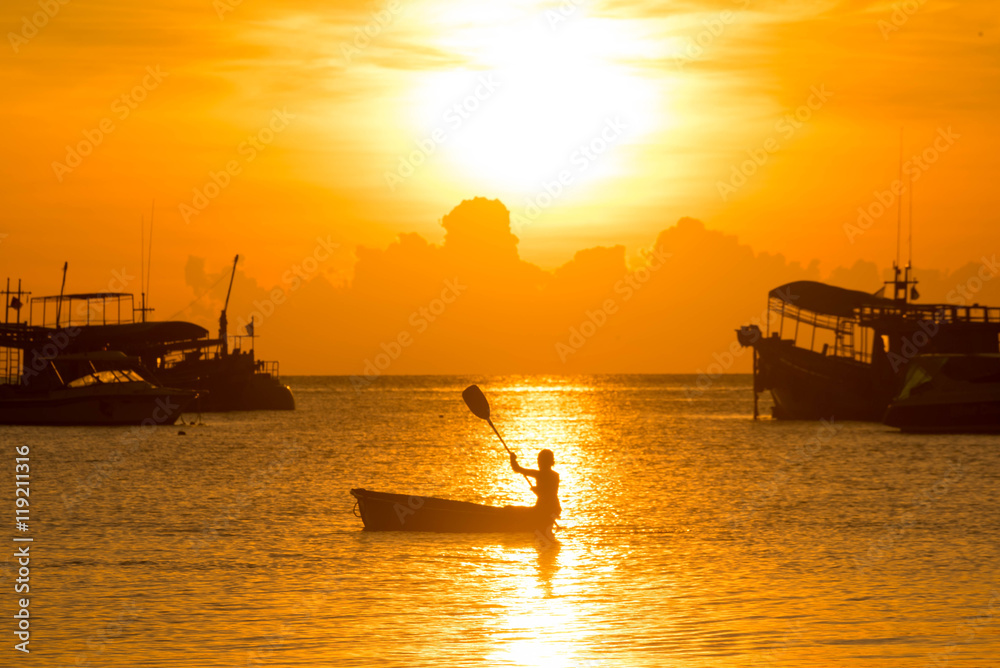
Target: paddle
[480, 407]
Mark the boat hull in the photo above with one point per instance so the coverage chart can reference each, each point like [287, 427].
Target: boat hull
[229, 384]
[949, 394]
[807, 385]
[101, 407]
[945, 417]
[382, 511]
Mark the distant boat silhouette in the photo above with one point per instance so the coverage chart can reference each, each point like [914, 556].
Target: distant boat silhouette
[170, 353]
[869, 342]
[42, 382]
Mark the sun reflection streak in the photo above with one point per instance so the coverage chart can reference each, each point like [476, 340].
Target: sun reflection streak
[540, 627]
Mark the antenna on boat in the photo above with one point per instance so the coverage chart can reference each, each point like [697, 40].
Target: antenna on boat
[149, 255]
[901, 290]
[142, 266]
[145, 260]
[223, 333]
[914, 295]
[899, 205]
[909, 261]
[62, 288]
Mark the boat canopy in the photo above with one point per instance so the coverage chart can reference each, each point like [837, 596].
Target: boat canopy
[82, 295]
[827, 299]
[130, 334]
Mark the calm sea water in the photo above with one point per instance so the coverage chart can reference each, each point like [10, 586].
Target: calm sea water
[691, 535]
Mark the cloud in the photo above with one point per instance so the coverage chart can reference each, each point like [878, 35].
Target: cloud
[510, 316]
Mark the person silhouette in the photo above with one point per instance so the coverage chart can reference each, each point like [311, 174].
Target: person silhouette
[546, 487]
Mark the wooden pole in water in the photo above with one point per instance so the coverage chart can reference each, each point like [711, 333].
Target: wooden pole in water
[755, 383]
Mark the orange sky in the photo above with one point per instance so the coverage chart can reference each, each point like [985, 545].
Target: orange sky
[595, 123]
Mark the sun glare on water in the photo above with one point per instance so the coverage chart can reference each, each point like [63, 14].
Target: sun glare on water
[548, 91]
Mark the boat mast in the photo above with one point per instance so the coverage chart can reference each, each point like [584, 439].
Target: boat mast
[223, 334]
[142, 267]
[901, 288]
[149, 259]
[899, 226]
[145, 262]
[62, 288]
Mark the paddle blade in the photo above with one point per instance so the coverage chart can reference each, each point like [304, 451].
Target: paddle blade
[476, 401]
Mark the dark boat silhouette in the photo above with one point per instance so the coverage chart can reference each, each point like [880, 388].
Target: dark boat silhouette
[842, 354]
[174, 354]
[44, 382]
[91, 389]
[948, 394]
[382, 511]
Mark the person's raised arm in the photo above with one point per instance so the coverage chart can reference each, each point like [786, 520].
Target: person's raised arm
[519, 469]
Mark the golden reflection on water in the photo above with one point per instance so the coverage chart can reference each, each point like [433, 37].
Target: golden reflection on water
[544, 414]
[538, 612]
[691, 536]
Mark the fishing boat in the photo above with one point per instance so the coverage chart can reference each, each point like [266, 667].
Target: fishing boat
[831, 353]
[948, 394]
[171, 353]
[382, 511]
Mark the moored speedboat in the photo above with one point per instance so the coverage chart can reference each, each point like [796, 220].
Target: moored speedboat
[948, 394]
[103, 390]
[382, 511]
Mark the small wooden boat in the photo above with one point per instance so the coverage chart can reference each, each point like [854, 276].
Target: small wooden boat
[381, 511]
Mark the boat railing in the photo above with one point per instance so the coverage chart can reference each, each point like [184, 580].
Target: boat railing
[267, 368]
[938, 313]
[852, 336]
[829, 335]
[95, 308]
